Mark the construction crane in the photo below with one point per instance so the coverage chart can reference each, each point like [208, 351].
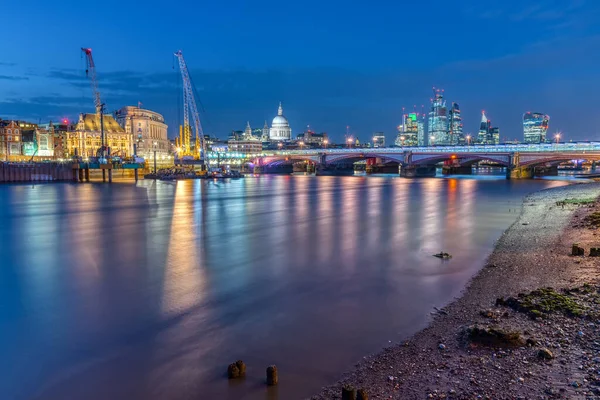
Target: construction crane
[90, 72]
[189, 107]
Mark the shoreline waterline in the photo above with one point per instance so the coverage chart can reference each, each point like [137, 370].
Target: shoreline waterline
[531, 253]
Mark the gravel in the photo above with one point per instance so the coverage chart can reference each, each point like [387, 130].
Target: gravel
[558, 356]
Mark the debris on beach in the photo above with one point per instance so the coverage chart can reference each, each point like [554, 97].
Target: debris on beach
[443, 255]
[494, 337]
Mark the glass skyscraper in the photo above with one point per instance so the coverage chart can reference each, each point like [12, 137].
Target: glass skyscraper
[438, 120]
[455, 135]
[535, 126]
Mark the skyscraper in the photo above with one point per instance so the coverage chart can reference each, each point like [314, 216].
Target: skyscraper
[488, 135]
[484, 128]
[495, 135]
[535, 126]
[438, 119]
[408, 131]
[455, 135]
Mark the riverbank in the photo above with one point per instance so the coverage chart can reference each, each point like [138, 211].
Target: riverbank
[445, 361]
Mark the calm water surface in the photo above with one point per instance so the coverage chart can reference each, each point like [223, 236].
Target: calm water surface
[149, 291]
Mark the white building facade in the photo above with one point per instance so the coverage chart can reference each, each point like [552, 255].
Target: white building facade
[280, 128]
[148, 129]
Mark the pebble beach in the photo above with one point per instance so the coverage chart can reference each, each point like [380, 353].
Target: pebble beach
[526, 327]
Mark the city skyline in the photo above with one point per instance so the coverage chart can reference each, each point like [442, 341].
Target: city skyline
[327, 77]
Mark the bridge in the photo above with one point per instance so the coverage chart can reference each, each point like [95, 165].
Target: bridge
[521, 160]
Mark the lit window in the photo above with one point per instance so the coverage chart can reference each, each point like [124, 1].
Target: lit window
[16, 138]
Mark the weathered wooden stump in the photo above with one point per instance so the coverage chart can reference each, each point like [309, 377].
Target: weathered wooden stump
[348, 393]
[233, 372]
[241, 366]
[576, 250]
[595, 252]
[362, 395]
[272, 378]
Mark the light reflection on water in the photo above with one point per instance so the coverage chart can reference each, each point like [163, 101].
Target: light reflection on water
[149, 291]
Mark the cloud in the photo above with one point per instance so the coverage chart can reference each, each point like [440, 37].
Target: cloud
[13, 78]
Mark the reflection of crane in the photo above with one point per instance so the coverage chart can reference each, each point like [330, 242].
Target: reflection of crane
[189, 107]
[90, 72]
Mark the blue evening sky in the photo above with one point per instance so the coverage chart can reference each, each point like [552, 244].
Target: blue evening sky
[331, 63]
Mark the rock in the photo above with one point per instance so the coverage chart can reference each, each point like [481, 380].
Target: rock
[545, 354]
[595, 252]
[442, 346]
[521, 380]
[348, 393]
[233, 372]
[390, 378]
[362, 395]
[576, 250]
[241, 366]
[495, 337]
[272, 378]
[531, 342]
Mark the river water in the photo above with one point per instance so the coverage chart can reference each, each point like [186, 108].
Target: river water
[148, 291]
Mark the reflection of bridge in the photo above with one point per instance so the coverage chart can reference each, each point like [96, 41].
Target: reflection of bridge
[521, 161]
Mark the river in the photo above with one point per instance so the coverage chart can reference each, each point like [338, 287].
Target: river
[149, 291]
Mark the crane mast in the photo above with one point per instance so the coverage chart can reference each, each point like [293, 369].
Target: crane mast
[189, 107]
[90, 72]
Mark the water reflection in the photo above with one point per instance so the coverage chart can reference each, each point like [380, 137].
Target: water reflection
[149, 291]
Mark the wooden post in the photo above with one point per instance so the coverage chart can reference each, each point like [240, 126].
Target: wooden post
[272, 378]
[362, 395]
[348, 393]
[110, 175]
[87, 174]
[80, 175]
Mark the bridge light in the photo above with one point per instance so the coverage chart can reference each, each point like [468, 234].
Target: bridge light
[453, 156]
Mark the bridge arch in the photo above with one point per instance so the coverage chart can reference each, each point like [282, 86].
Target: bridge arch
[462, 159]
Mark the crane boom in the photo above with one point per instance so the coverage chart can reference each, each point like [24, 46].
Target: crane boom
[90, 72]
[189, 107]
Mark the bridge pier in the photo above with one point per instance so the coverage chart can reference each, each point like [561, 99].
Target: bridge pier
[417, 171]
[519, 173]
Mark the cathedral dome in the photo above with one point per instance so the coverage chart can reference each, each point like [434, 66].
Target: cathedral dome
[280, 129]
[280, 120]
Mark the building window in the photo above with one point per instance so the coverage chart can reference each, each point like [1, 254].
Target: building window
[9, 131]
[10, 138]
[16, 131]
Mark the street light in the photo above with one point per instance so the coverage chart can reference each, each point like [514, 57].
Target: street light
[155, 144]
[468, 140]
[301, 143]
[280, 145]
[325, 142]
[402, 140]
[349, 142]
[557, 137]
[432, 140]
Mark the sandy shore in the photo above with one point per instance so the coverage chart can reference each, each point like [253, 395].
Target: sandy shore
[442, 361]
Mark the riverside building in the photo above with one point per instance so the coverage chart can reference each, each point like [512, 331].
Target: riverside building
[147, 129]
